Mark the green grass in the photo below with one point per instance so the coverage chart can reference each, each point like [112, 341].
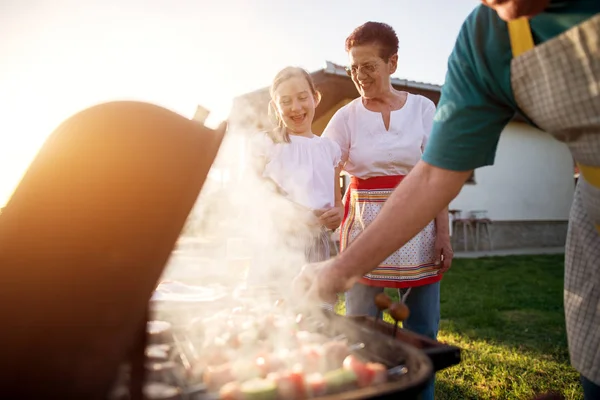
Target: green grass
[506, 313]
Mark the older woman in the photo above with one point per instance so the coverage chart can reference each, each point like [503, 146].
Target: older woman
[382, 135]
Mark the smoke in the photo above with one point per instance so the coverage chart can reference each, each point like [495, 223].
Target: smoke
[241, 230]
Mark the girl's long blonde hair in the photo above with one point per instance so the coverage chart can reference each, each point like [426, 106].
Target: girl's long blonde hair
[279, 134]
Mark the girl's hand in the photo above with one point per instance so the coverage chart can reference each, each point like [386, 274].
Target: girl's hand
[332, 218]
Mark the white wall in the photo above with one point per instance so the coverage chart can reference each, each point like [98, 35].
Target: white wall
[531, 179]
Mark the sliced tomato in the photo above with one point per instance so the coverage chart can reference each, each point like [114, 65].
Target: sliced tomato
[378, 372]
[230, 391]
[290, 384]
[316, 385]
[296, 378]
[363, 375]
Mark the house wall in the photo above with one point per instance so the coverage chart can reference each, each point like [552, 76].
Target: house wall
[319, 125]
[527, 193]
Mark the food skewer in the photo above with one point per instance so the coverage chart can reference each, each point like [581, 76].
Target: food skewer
[383, 302]
[399, 312]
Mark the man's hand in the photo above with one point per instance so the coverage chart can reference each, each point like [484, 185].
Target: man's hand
[321, 282]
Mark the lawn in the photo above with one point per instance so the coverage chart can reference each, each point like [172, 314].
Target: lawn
[506, 313]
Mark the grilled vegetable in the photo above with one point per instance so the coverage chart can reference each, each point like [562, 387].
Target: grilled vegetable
[259, 389]
[248, 354]
[339, 379]
[315, 385]
[363, 374]
[367, 374]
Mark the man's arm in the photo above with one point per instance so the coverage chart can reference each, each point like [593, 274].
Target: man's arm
[418, 199]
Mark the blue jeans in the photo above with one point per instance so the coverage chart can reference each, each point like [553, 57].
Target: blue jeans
[591, 391]
[424, 318]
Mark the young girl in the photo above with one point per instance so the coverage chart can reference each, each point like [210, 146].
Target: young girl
[303, 167]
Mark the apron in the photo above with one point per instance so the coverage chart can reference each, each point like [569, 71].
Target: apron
[557, 86]
[412, 264]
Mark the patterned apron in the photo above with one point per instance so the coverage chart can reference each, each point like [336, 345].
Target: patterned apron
[409, 266]
[557, 86]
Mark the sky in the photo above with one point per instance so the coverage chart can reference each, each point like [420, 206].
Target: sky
[61, 56]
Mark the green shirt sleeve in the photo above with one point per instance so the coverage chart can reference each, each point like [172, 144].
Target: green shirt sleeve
[476, 101]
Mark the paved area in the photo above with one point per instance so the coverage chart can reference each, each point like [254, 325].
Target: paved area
[510, 252]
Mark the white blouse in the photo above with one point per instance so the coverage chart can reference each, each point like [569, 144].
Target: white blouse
[303, 168]
[369, 150]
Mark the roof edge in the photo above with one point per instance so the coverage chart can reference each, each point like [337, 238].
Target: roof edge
[336, 69]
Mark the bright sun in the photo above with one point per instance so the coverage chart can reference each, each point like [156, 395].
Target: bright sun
[24, 130]
[62, 59]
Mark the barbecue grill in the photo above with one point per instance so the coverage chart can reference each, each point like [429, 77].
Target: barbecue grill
[83, 243]
[413, 357]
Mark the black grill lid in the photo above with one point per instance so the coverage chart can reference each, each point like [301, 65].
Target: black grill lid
[84, 239]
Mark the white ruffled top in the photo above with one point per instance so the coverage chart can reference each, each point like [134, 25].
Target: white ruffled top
[304, 168]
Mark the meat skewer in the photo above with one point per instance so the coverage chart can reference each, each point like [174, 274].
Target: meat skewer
[287, 352]
[399, 312]
[383, 302]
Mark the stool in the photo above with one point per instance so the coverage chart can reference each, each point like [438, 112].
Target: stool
[453, 214]
[482, 222]
[467, 227]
